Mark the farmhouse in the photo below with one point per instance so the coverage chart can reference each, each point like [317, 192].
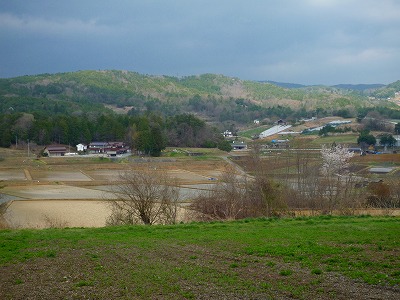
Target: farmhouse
[115, 148]
[97, 147]
[110, 148]
[55, 150]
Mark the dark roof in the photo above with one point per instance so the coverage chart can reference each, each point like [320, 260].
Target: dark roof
[98, 144]
[56, 148]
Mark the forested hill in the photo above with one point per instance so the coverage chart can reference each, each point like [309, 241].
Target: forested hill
[215, 97]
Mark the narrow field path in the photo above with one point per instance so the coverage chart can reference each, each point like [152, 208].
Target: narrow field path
[238, 168]
[27, 174]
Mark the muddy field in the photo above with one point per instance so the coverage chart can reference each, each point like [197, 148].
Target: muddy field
[57, 213]
[71, 191]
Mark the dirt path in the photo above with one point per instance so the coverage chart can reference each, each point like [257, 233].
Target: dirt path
[27, 174]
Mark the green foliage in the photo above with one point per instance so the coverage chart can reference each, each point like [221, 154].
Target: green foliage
[186, 130]
[205, 84]
[286, 272]
[331, 129]
[151, 141]
[225, 145]
[270, 91]
[326, 129]
[366, 138]
[148, 133]
[387, 140]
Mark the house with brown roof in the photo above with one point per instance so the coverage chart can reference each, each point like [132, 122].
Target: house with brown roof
[55, 150]
[109, 148]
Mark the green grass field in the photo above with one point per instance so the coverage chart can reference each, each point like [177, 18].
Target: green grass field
[345, 139]
[304, 258]
[249, 133]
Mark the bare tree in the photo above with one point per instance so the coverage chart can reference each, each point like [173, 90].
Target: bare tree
[375, 121]
[384, 195]
[394, 185]
[225, 201]
[3, 209]
[147, 197]
[265, 197]
[236, 197]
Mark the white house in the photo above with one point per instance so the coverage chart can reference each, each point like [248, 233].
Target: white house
[227, 133]
[81, 147]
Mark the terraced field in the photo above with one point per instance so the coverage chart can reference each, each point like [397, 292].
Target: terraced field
[71, 190]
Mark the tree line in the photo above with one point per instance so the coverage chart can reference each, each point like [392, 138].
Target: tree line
[149, 133]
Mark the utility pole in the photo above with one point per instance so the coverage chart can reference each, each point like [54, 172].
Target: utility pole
[28, 147]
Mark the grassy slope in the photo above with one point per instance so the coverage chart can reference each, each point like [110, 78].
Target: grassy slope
[324, 257]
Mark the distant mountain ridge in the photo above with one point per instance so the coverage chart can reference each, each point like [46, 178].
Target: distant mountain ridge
[355, 87]
[359, 87]
[209, 95]
[286, 84]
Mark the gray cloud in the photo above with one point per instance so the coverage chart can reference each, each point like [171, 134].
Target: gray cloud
[309, 41]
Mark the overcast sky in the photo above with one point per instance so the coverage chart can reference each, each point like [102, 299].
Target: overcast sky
[300, 41]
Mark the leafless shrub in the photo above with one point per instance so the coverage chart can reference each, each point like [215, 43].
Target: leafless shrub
[322, 185]
[266, 197]
[147, 197]
[236, 197]
[3, 208]
[383, 195]
[226, 200]
[53, 222]
[394, 186]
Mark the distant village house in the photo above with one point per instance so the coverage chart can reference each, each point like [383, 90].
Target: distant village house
[81, 147]
[55, 150]
[109, 148]
[227, 133]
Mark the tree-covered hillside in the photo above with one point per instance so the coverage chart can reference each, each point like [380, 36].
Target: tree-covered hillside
[387, 91]
[216, 97]
[161, 111]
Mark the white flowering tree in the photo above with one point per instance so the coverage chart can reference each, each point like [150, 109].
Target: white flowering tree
[336, 160]
[337, 180]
